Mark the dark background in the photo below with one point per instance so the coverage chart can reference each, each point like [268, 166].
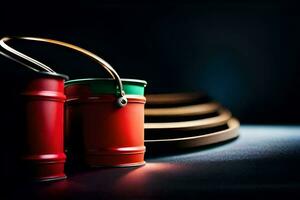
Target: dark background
[243, 54]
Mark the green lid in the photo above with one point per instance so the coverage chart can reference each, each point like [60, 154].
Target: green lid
[109, 86]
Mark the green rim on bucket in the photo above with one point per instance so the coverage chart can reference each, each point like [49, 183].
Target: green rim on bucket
[109, 86]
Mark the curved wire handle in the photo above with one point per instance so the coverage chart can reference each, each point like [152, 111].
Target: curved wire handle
[99, 60]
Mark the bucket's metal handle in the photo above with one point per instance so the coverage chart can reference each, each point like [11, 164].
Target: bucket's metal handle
[24, 57]
[122, 100]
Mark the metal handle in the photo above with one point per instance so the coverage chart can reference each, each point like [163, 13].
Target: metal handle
[122, 101]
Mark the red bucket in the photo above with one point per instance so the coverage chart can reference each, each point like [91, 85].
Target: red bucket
[110, 134]
[41, 121]
[44, 155]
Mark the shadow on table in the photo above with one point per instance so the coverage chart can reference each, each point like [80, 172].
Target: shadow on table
[169, 150]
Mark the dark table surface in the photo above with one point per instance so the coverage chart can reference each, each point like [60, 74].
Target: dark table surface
[263, 162]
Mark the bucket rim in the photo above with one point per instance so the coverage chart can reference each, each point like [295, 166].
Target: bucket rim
[63, 76]
[89, 80]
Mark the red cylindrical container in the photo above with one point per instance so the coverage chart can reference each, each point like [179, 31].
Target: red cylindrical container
[43, 104]
[98, 130]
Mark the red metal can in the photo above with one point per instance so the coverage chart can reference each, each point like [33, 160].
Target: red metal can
[40, 117]
[43, 104]
[97, 129]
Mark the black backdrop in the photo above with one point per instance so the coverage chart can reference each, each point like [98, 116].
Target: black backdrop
[243, 54]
